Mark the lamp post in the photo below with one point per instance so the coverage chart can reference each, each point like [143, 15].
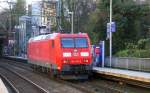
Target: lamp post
[110, 34]
[71, 13]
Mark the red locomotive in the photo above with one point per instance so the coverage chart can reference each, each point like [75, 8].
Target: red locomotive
[61, 54]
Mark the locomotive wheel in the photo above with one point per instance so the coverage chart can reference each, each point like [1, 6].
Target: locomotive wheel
[47, 70]
[54, 73]
[34, 67]
[31, 66]
[43, 69]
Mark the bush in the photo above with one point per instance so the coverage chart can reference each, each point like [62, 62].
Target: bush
[147, 45]
[140, 50]
[143, 43]
[123, 53]
[134, 53]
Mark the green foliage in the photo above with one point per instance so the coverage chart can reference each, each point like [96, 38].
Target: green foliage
[141, 49]
[147, 44]
[141, 43]
[129, 24]
[131, 46]
[123, 53]
[93, 29]
[130, 19]
[134, 53]
[132, 22]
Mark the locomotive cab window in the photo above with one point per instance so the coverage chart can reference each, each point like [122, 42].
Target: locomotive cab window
[81, 43]
[74, 42]
[67, 42]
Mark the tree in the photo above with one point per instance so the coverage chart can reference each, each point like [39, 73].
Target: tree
[129, 18]
[132, 20]
[4, 20]
[18, 10]
[81, 9]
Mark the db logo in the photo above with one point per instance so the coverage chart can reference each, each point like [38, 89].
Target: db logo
[75, 52]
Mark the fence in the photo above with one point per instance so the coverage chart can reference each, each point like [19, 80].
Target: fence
[141, 64]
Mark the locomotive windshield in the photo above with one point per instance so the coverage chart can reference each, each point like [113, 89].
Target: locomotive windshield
[81, 43]
[74, 43]
[67, 42]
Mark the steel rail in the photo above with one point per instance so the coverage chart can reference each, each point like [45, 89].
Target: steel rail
[77, 86]
[26, 79]
[9, 83]
[81, 88]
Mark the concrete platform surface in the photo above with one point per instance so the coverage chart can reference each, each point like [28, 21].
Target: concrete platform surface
[3, 88]
[18, 57]
[128, 74]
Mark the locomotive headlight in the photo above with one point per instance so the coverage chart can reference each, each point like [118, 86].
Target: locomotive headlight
[66, 61]
[85, 60]
[84, 54]
[66, 54]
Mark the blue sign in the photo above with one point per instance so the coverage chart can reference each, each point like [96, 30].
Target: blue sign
[113, 27]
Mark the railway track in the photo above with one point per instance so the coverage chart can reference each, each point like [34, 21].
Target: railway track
[24, 68]
[22, 84]
[100, 86]
[80, 85]
[9, 85]
[91, 86]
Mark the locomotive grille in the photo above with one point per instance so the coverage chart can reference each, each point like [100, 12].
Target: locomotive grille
[78, 68]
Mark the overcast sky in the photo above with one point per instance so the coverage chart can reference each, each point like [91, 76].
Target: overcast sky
[4, 4]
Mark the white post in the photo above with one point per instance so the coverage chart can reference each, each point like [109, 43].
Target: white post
[71, 13]
[110, 33]
[72, 24]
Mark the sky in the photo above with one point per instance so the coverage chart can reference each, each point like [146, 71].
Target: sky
[4, 5]
[30, 1]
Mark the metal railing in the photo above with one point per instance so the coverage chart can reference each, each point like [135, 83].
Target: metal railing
[140, 64]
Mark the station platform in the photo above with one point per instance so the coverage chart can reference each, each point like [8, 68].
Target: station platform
[17, 57]
[126, 74]
[3, 88]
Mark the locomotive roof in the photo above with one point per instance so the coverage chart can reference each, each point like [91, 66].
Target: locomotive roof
[53, 35]
[74, 35]
[42, 37]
